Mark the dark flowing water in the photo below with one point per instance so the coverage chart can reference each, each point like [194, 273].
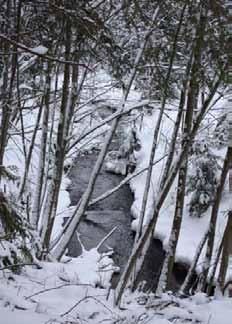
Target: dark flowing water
[113, 211]
[105, 215]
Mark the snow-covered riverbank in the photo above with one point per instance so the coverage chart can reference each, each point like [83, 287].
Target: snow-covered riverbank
[68, 292]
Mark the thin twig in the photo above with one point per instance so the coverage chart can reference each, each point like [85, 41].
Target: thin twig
[106, 237]
[81, 300]
[55, 288]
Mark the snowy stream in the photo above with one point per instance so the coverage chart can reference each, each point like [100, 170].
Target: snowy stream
[114, 211]
[105, 215]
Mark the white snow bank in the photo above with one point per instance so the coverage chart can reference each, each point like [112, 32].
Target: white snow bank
[192, 229]
[42, 296]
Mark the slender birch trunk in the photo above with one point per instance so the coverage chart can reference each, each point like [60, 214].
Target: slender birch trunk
[170, 155]
[177, 123]
[51, 133]
[154, 146]
[43, 149]
[30, 151]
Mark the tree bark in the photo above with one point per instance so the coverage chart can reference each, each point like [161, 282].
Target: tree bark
[50, 204]
[192, 98]
[213, 221]
[226, 251]
[43, 149]
[187, 282]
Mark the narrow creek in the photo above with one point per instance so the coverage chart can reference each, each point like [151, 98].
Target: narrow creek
[105, 215]
[111, 212]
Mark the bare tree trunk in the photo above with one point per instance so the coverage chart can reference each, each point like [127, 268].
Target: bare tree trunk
[187, 282]
[50, 204]
[149, 229]
[43, 149]
[177, 123]
[226, 251]
[157, 129]
[216, 263]
[51, 133]
[167, 267]
[154, 145]
[30, 151]
[212, 223]
[7, 88]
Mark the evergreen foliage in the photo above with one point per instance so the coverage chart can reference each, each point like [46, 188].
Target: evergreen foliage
[202, 178]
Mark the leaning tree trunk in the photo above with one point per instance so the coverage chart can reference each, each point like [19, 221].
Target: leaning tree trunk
[187, 282]
[192, 98]
[154, 146]
[149, 229]
[212, 223]
[211, 280]
[227, 242]
[224, 264]
[226, 252]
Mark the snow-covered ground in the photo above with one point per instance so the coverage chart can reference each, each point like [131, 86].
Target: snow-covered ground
[67, 293]
[70, 292]
[193, 228]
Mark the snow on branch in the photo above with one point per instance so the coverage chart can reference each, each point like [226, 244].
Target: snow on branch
[40, 52]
